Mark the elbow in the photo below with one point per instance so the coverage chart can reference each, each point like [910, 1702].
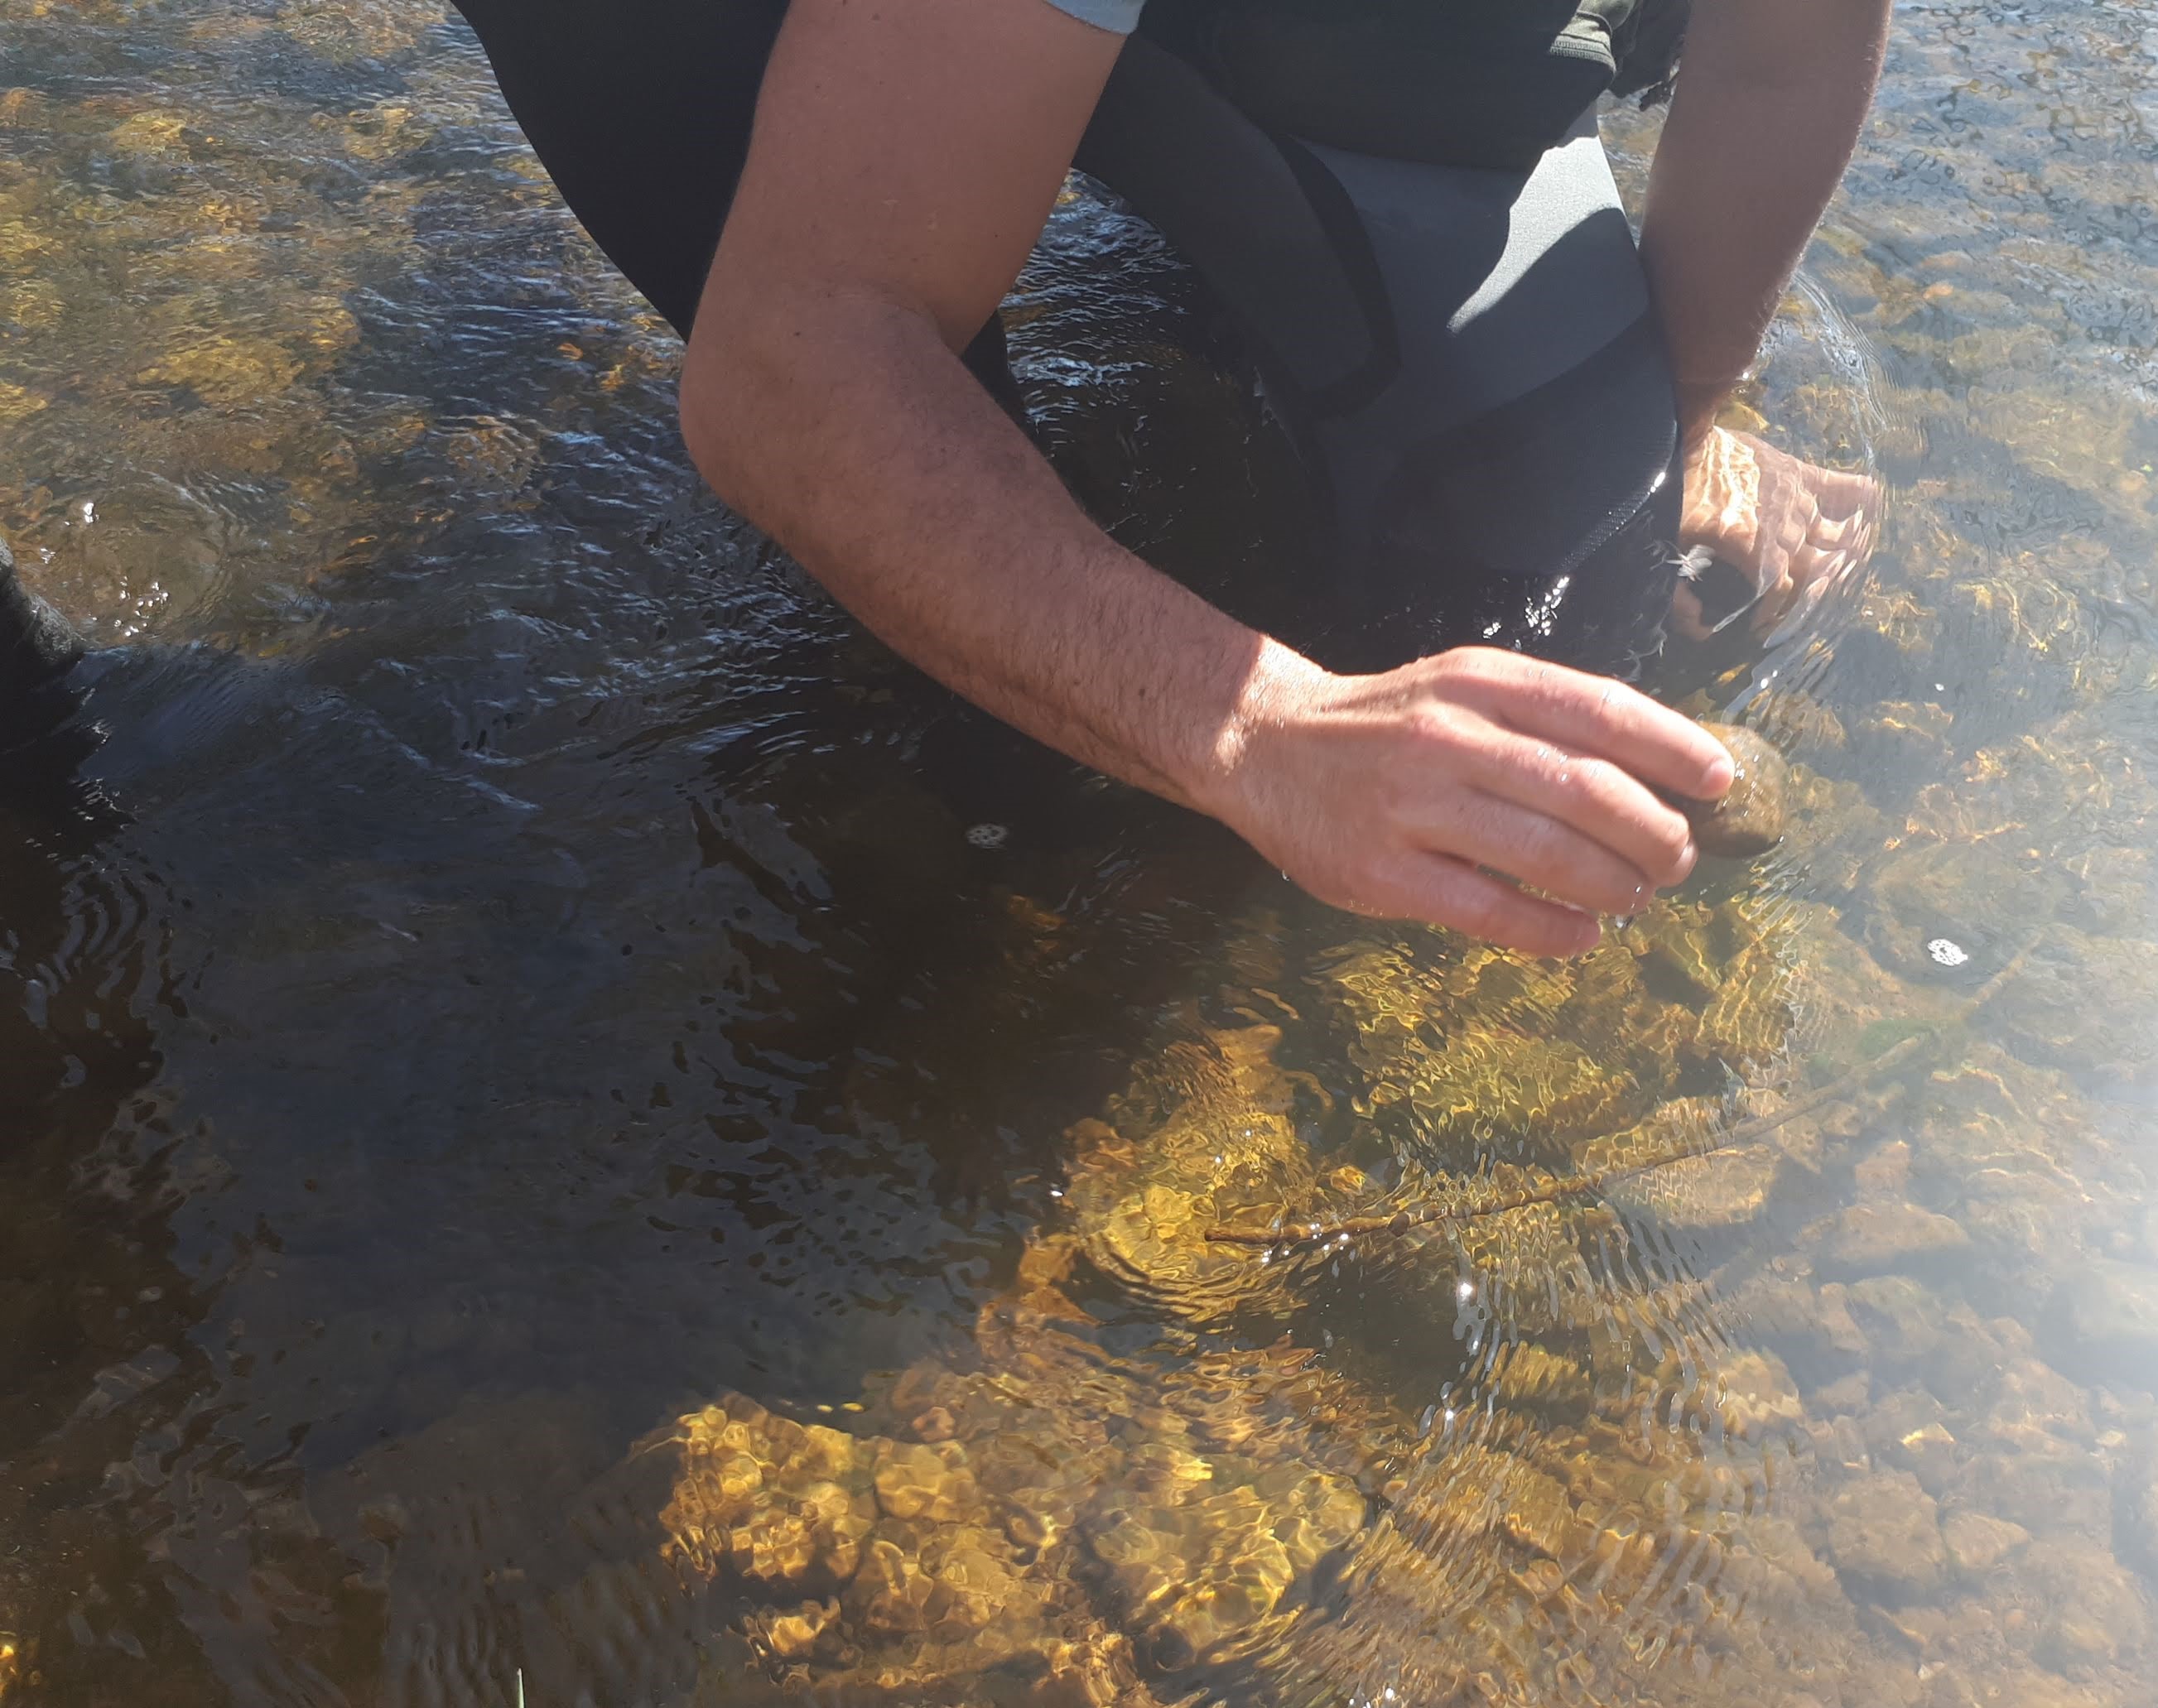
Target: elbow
[718, 387]
[735, 395]
[757, 382]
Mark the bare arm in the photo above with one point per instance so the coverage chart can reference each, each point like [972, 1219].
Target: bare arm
[822, 396]
[906, 153]
[1770, 101]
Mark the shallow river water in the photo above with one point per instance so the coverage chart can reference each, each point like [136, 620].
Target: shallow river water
[576, 1134]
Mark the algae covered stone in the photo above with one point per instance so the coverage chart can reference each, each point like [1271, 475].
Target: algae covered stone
[1749, 820]
[1885, 1530]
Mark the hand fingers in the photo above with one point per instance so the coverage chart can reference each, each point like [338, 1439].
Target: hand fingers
[1440, 890]
[1852, 530]
[1840, 493]
[1800, 613]
[1554, 858]
[1596, 715]
[1814, 564]
[1598, 800]
[1686, 612]
[1813, 576]
[1793, 525]
[1858, 539]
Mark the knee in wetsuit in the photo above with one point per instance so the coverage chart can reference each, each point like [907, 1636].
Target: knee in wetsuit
[38, 654]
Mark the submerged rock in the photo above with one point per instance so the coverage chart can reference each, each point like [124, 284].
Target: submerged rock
[1977, 1543]
[1885, 1530]
[2105, 1317]
[1722, 1188]
[1756, 1396]
[2092, 1611]
[1900, 1318]
[1749, 820]
[1932, 908]
[2083, 1003]
[1882, 1238]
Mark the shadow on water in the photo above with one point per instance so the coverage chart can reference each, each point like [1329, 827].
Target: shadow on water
[570, 1115]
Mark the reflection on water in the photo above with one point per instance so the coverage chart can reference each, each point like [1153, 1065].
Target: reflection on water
[571, 1119]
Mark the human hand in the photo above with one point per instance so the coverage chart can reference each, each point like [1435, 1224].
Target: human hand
[1795, 531]
[1388, 795]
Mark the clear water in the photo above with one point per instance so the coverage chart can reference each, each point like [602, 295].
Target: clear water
[535, 1001]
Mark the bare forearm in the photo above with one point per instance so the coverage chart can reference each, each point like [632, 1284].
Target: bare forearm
[846, 430]
[1771, 99]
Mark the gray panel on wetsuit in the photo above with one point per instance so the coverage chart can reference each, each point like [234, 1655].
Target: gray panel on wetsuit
[1122, 16]
[1222, 191]
[1487, 283]
[1386, 300]
[1498, 285]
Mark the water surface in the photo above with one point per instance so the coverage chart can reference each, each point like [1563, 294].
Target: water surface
[570, 1118]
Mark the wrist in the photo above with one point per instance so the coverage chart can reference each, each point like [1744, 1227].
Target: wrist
[1281, 684]
[1698, 404]
[1722, 492]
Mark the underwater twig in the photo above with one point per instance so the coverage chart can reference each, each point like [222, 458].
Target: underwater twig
[1289, 1235]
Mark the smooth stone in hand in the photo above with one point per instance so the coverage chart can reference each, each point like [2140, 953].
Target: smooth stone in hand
[1749, 819]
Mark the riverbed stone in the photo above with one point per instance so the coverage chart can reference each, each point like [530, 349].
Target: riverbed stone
[2050, 1485]
[1756, 1396]
[2092, 1611]
[2032, 1398]
[2083, 1002]
[1718, 1190]
[1749, 820]
[1812, 1326]
[1905, 738]
[1890, 1237]
[1909, 1429]
[2104, 1318]
[1953, 892]
[1978, 1542]
[1885, 1530]
[1885, 1170]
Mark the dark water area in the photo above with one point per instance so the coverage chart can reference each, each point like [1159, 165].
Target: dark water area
[571, 1125]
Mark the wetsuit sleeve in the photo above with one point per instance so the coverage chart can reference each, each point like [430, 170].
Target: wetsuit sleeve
[1118, 15]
